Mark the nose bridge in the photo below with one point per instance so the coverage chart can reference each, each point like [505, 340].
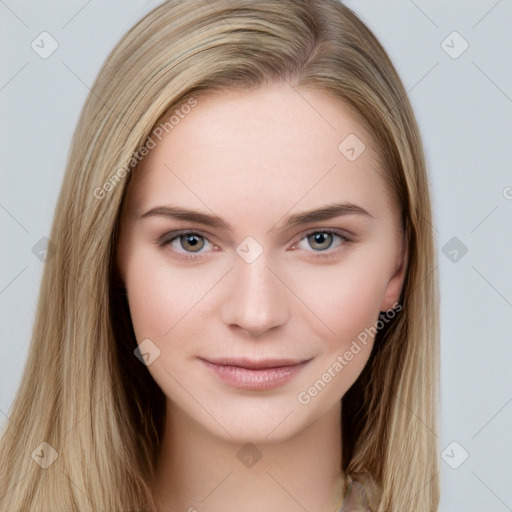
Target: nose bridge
[256, 300]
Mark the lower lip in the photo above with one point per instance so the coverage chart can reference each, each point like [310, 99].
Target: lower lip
[255, 380]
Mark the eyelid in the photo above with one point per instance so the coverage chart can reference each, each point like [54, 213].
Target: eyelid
[345, 237]
[169, 236]
[340, 232]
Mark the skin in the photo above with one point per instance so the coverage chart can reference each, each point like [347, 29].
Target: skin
[254, 159]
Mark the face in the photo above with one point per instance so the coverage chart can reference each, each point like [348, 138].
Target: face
[257, 254]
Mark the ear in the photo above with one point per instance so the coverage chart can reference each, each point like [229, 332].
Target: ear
[394, 286]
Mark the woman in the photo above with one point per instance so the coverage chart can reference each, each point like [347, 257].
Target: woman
[240, 311]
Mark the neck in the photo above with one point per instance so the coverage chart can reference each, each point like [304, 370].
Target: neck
[199, 472]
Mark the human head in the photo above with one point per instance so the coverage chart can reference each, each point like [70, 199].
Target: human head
[177, 53]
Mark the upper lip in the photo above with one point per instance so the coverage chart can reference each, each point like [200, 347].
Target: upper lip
[255, 364]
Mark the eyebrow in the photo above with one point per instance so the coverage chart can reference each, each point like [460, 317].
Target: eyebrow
[319, 214]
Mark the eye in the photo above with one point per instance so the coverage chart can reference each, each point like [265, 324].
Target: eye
[191, 242]
[322, 240]
[186, 242]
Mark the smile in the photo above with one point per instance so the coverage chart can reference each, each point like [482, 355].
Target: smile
[254, 375]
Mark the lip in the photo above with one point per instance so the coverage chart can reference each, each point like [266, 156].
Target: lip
[254, 375]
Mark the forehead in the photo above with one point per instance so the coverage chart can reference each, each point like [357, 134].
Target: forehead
[273, 145]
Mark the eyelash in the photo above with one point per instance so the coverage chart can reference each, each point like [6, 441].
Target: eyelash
[328, 254]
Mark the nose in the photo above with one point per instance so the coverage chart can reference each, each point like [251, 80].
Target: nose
[256, 300]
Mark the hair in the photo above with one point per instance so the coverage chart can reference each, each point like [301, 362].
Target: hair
[84, 392]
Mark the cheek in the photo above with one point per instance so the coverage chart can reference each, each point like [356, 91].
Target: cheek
[344, 298]
[346, 302]
[160, 296]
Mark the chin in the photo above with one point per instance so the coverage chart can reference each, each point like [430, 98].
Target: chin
[261, 420]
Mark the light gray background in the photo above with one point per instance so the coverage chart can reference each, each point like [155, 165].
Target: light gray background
[464, 109]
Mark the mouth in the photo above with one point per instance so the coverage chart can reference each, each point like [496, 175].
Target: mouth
[255, 375]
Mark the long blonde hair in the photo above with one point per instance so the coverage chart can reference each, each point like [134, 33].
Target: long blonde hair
[83, 391]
